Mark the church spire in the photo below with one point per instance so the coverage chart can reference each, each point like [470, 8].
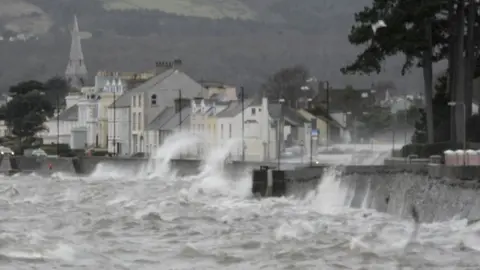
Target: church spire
[76, 72]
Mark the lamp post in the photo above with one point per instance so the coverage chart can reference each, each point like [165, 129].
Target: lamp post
[58, 124]
[394, 121]
[308, 100]
[180, 109]
[280, 133]
[114, 123]
[327, 88]
[242, 93]
[454, 104]
[406, 120]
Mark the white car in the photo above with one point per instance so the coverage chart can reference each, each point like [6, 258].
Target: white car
[6, 151]
[39, 153]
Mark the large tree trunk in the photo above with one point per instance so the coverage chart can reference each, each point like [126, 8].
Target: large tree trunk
[451, 66]
[470, 57]
[460, 72]
[428, 80]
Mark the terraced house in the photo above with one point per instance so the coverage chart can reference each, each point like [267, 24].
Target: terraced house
[144, 103]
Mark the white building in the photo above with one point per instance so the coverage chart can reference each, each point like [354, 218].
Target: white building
[59, 127]
[260, 133]
[172, 119]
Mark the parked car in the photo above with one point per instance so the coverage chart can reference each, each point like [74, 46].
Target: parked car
[6, 151]
[39, 153]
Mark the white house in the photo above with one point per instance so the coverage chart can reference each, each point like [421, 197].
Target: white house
[172, 119]
[259, 131]
[60, 127]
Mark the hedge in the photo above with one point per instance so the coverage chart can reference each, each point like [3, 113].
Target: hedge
[427, 150]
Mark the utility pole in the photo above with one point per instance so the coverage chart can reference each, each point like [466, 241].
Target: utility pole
[180, 108]
[313, 128]
[114, 123]
[58, 124]
[243, 122]
[280, 134]
[327, 86]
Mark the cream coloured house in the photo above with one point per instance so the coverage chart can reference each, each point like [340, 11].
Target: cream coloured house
[146, 101]
[258, 131]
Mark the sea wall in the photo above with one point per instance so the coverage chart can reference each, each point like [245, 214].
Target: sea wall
[88, 165]
[393, 191]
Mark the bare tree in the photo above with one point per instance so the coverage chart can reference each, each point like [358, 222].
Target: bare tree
[287, 84]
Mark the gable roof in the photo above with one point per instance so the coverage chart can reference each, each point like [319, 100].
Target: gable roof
[167, 80]
[169, 119]
[327, 120]
[70, 114]
[290, 115]
[234, 108]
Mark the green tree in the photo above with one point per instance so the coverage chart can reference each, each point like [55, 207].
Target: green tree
[287, 83]
[28, 110]
[56, 89]
[376, 119]
[441, 113]
[420, 134]
[409, 31]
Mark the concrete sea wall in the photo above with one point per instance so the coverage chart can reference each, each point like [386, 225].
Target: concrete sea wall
[437, 190]
[88, 165]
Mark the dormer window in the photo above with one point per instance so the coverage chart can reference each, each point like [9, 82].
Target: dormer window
[153, 100]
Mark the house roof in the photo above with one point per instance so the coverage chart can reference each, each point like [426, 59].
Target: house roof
[329, 120]
[168, 80]
[290, 115]
[234, 108]
[169, 119]
[70, 114]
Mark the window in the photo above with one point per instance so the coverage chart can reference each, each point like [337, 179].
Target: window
[139, 121]
[139, 100]
[230, 130]
[134, 121]
[253, 112]
[134, 102]
[221, 131]
[154, 100]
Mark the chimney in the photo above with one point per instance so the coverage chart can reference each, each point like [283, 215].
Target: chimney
[162, 66]
[180, 104]
[177, 63]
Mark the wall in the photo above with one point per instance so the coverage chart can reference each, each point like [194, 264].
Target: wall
[123, 130]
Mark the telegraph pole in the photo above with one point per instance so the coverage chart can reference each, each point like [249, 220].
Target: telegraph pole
[243, 122]
[58, 124]
[327, 86]
[114, 123]
[180, 108]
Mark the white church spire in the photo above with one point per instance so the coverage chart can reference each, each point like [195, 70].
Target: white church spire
[76, 72]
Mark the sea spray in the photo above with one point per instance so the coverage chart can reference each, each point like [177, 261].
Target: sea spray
[175, 145]
[332, 194]
[213, 179]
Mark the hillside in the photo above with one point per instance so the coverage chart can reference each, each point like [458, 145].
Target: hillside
[238, 41]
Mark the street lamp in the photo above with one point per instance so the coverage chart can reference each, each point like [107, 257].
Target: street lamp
[280, 133]
[454, 104]
[180, 107]
[242, 93]
[58, 124]
[308, 100]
